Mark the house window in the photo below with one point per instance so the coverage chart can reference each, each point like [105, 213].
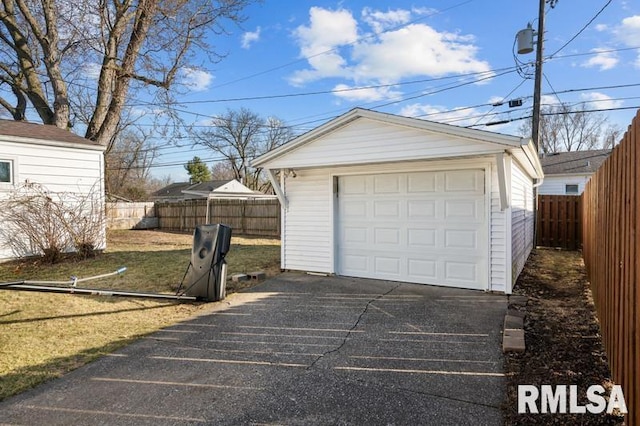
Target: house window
[6, 171]
[571, 189]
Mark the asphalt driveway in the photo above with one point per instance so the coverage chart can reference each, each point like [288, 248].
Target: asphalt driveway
[297, 349]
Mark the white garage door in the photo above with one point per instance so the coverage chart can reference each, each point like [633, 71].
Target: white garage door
[426, 227]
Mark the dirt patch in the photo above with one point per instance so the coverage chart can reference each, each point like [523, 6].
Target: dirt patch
[562, 335]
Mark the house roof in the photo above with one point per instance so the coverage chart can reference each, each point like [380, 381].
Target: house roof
[520, 147]
[575, 162]
[172, 190]
[43, 133]
[179, 189]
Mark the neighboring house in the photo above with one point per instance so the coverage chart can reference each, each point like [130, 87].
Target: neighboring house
[211, 189]
[66, 164]
[566, 173]
[376, 195]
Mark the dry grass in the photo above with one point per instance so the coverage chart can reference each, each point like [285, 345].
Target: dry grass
[45, 335]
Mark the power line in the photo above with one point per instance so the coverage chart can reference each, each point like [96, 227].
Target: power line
[582, 29]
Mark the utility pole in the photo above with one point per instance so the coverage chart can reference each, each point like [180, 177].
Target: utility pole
[537, 88]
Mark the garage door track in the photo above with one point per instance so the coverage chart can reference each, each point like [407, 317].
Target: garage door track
[297, 349]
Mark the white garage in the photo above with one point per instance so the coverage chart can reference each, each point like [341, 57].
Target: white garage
[380, 196]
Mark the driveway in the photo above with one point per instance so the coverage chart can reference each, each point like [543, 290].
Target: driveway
[297, 349]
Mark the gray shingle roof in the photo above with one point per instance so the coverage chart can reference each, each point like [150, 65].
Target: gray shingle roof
[174, 190]
[24, 129]
[574, 162]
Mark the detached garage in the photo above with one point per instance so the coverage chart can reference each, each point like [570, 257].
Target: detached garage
[375, 195]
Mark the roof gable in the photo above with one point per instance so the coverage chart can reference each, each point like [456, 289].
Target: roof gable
[574, 162]
[401, 138]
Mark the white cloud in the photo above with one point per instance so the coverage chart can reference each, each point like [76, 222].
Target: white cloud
[599, 100]
[370, 94]
[414, 50]
[196, 80]
[381, 21]
[629, 33]
[250, 37]
[601, 27]
[330, 44]
[603, 60]
[319, 42]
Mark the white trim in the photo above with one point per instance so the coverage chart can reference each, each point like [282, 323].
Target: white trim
[13, 172]
[502, 182]
[508, 241]
[276, 187]
[283, 218]
[34, 141]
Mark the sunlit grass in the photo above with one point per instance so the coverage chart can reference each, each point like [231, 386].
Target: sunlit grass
[44, 335]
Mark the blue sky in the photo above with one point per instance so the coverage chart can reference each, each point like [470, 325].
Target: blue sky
[304, 59]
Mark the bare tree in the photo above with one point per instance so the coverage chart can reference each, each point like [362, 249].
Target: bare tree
[565, 128]
[240, 136]
[128, 166]
[49, 47]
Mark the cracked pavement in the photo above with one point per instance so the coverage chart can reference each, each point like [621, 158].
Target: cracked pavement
[297, 349]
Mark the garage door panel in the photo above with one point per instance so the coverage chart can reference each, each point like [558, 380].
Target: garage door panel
[464, 181]
[422, 269]
[421, 182]
[427, 227]
[387, 265]
[354, 209]
[421, 209]
[421, 238]
[386, 236]
[387, 184]
[354, 185]
[386, 209]
[461, 271]
[461, 239]
[353, 235]
[464, 209]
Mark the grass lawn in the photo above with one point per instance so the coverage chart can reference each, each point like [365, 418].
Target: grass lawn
[44, 335]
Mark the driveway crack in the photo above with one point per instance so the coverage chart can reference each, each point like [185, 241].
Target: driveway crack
[355, 325]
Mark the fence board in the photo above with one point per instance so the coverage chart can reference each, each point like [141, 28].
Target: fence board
[559, 221]
[123, 215]
[246, 217]
[611, 216]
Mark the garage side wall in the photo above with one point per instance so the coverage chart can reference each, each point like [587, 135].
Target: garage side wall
[307, 230]
[522, 219]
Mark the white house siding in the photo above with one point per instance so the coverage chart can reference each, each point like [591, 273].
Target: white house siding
[522, 219]
[556, 184]
[369, 141]
[58, 169]
[308, 224]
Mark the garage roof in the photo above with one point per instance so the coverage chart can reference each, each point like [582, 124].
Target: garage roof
[520, 148]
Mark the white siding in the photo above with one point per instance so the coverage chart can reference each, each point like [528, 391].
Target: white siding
[58, 169]
[368, 141]
[308, 224]
[522, 219]
[555, 185]
[307, 231]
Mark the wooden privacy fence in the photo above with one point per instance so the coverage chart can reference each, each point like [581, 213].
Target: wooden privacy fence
[123, 215]
[559, 221]
[246, 217]
[611, 212]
